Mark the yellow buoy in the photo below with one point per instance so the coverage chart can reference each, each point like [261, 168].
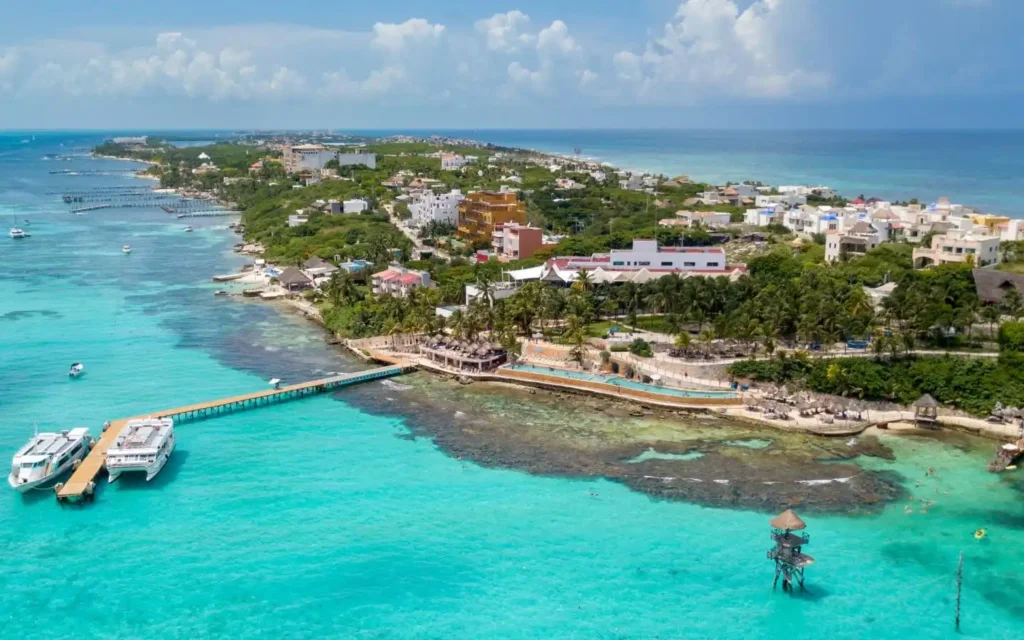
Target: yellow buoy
[979, 534]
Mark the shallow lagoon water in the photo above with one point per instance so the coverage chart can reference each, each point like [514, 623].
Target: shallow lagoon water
[321, 519]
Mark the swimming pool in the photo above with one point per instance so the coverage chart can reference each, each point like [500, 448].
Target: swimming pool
[621, 382]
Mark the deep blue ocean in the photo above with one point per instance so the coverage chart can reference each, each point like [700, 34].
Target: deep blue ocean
[326, 518]
[984, 169]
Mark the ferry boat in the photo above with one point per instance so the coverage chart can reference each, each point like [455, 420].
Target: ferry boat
[143, 445]
[76, 369]
[126, 248]
[46, 456]
[17, 233]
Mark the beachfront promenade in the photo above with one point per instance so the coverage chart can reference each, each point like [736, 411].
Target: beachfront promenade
[83, 481]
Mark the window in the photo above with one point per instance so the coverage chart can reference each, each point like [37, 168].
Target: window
[644, 264]
[689, 264]
[618, 263]
[712, 264]
[666, 264]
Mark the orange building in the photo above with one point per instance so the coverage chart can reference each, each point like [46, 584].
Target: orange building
[482, 210]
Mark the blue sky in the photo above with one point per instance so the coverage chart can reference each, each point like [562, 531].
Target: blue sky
[486, 64]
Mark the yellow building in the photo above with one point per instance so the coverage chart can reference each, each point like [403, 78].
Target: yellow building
[482, 210]
[989, 221]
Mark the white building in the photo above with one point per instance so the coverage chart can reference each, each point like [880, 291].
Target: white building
[810, 220]
[598, 176]
[957, 247]
[298, 219]
[858, 240]
[369, 160]
[443, 208]
[745, 190]
[709, 219]
[762, 217]
[802, 190]
[356, 205]
[306, 157]
[451, 162]
[786, 200]
[646, 254]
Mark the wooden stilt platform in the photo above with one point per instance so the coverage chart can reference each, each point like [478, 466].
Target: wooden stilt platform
[83, 481]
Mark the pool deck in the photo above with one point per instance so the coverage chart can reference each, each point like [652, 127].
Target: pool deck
[614, 391]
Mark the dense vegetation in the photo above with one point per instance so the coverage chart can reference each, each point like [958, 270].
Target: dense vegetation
[974, 385]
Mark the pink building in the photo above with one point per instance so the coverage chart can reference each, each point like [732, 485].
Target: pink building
[513, 241]
[399, 281]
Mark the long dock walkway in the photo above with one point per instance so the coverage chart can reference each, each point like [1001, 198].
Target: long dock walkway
[83, 481]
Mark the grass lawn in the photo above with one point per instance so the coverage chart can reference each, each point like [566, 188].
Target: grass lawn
[601, 329]
[657, 324]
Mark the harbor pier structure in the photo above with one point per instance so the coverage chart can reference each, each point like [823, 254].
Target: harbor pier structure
[790, 560]
[82, 483]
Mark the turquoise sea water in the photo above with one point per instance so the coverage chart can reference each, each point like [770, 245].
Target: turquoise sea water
[316, 519]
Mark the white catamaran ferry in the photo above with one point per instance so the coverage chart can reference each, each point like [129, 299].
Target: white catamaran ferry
[142, 445]
[46, 456]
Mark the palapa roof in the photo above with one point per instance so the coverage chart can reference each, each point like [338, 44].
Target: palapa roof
[291, 276]
[993, 285]
[926, 401]
[314, 262]
[788, 520]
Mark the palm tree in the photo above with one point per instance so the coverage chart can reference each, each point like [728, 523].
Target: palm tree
[486, 290]
[582, 280]
[1013, 304]
[457, 323]
[991, 314]
[683, 341]
[706, 337]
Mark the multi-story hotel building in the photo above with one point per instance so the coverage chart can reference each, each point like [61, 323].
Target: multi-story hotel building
[482, 210]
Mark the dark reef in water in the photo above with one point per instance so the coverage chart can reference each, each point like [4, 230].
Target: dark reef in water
[29, 313]
[664, 454]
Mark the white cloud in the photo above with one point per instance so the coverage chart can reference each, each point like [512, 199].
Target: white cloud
[556, 39]
[503, 31]
[174, 40]
[713, 47]
[523, 76]
[337, 84]
[174, 65]
[8, 65]
[395, 37]
[588, 78]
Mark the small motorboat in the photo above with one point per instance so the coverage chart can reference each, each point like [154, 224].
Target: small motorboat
[188, 229]
[76, 370]
[126, 248]
[17, 233]
[979, 534]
